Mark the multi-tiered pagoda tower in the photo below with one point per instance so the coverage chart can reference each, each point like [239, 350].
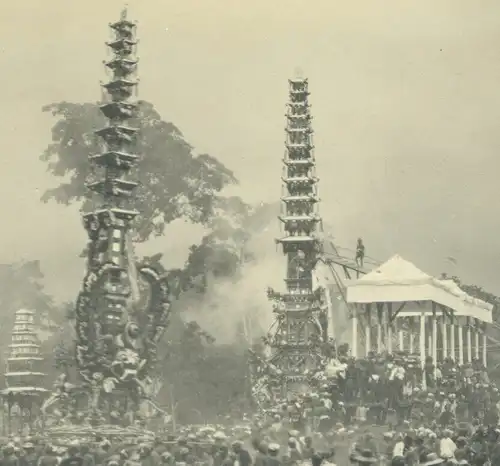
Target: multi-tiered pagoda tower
[25, 390]
[296, 345]
[117, 333]
[109, 225]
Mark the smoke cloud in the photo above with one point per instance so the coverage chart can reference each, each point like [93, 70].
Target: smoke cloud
[236, 310]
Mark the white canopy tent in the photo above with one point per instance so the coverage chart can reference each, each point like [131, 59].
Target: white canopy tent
[398, 280]
[398, 289]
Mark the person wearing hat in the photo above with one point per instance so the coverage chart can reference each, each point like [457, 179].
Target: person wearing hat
[88, 457]
[134, 459]
[48, 457]
[447, 446]
[307, 448]
[73, 458]
[155, 457]
[260, 448]
[329, 457]
[242, 455]
[149, 456]
[462, 456]
[113, 457]
[220, 437]
[273, 450]
[293, 450]
[317, 459]
[167, 459]
[220, 454]
[102, 452]
[495, 454]
[431, 459]
[364, 456]
[398, 461]
[29, 458]
[9, 456]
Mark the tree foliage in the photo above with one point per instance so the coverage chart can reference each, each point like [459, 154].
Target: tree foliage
[174, 182]
[202, 380]
[480, 293]
[222, 250]
[21, 286]
[201, 377]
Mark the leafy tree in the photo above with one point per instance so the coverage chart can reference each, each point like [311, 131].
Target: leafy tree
[174, 182]
[221, 251]
[21, 286]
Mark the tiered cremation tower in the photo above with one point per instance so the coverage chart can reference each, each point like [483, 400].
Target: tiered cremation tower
[301, 326]
[116, 338]
[25, 390]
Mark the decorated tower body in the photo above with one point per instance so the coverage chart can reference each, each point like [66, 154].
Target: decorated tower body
[116, 338]
[25, 391]
[300, 328]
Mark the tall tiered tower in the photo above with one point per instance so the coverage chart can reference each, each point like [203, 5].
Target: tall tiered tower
[108, 226]
[23, 377]
[117, 332]
[300, 330]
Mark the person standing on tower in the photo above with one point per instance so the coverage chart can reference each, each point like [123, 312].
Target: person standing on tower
[360, 253]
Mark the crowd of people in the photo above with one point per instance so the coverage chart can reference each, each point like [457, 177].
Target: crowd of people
[383, 409]
[394, 388]
[391, 388]
[273, 443]
[427, 414]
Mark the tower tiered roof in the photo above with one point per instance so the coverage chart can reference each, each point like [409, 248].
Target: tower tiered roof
[22, 371]
[118, 156]
[299, 309]
[108, 226]
[299, 213]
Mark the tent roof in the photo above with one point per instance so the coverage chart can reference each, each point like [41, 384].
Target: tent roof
[395, 271]
[398, 280]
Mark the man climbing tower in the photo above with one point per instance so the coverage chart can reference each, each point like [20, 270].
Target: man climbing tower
[360, 253]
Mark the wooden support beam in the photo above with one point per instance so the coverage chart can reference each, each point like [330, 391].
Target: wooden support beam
[398, 310]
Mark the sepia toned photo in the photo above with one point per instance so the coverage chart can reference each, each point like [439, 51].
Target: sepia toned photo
[256, 233]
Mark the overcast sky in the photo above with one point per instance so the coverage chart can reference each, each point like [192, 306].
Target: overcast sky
[406, 105]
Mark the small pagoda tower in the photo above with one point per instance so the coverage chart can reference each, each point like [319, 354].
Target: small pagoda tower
[24, 381]
[108, 226]
[295, 346]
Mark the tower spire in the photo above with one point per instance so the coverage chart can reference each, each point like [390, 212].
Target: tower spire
[124, 13]
[298, 73]
[296, 343]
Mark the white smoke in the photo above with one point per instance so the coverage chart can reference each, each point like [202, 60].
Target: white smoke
[236, 309]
